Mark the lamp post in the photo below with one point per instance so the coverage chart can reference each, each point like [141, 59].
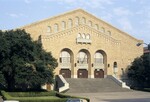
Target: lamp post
[148, 45]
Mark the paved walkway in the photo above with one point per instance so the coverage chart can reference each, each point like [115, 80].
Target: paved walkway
[1, 100]
[131, 96]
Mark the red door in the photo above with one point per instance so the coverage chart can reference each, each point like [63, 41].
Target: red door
[98, 73]
[66, 73]
[82, 73]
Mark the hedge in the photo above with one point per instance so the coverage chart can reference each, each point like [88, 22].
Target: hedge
[51, 96]
[31, 94]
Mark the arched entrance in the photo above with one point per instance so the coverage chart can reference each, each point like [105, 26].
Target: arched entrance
[82, 73]
[66, 63]
[66, 73]
[83, 62]
[100, 64]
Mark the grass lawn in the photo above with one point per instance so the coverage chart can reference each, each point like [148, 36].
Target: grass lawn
[51, 96]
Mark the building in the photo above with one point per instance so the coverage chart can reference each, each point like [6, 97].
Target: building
[84, 45]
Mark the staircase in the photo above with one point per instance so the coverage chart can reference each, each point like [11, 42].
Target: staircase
[93, 85]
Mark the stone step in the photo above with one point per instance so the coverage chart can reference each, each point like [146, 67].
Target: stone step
[93, 85]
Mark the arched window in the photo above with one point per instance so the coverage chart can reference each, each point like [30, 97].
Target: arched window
[79, 36]
[49, 29]
[90, 23]
[82, 57]
[103, 30]
[96, 27]
[55, 28]
[63, 25]
[115, 64]
[109, 33]
[70, 23]
[88, 36]
[83, 20]
[77, 21]
[83, 36]
[99, 58]
[65, 57]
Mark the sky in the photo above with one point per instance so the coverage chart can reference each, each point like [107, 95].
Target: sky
[130, 16]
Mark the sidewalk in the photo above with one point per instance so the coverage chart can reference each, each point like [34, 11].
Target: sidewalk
[1, 100]
[131, 96]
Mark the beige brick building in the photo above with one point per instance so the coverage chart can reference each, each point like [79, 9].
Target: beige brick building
[84, 45]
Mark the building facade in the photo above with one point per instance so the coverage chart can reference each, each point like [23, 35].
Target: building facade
[84, 45]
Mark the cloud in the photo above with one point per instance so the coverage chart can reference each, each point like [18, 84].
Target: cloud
[108, 17]
[84, 3]
[125, 24]
[14, 15]
[120, 11]
[27, 1]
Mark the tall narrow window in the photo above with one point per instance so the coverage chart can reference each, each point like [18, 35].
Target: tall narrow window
[109, 33]
[83, 20]
[63, 25]
[77, 21]
[79, 36]
[115, 65]
[55, 28]
[49, 29]
[70, 23]
[88, 36]
[83, 36]
[90, 23]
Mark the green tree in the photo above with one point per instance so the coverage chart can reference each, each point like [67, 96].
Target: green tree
[139, 71]
[23, 63]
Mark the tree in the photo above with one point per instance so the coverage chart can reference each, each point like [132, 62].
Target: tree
[23, 63]
[139, 71]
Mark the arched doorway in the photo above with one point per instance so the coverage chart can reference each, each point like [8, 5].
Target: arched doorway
[82, 73]
[66, 62]
[100, 63]
[83, 62]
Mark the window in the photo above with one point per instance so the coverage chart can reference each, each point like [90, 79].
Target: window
[82, 58]
[103, 30]
[90, 23]
[65, 57]
[79, 35]
[83, 20]
[77, 21]
[49, 29]
[70, 23]
[63, 25]
[56, 28]
[88, 36]
[83, 36]
[109, 33]
[115, 64]
[96, 26]
[99, 58]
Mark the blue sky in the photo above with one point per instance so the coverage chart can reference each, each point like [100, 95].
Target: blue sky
[131, 16]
